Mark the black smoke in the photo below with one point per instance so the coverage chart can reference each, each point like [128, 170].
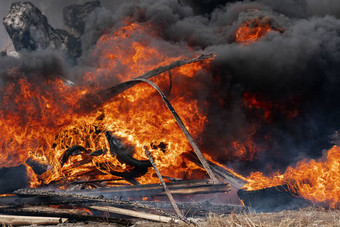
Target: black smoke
[295, 68]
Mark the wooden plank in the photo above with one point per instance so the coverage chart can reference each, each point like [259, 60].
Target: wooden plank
[28, 220]
[136, 214]
[166, 189]
[83, 199]
[191, 183]
[74, 213]
[139, 191]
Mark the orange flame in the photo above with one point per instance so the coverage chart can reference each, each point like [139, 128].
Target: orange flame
[252, 30]
[317, 181]
[42, 125]
[72, 207]
[269, 108]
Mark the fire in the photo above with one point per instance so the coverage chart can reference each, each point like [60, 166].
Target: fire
[41, 122]
[5, 195]
[317, 181]
[268, 109]
[72, 207]
[252, 30]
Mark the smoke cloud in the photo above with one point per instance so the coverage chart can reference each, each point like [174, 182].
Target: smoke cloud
[294, 69]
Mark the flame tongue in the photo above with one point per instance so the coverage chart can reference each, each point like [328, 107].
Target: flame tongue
[138, 115]
[317, 181]
[252, 30]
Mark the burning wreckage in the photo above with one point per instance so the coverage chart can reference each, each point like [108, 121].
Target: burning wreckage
[142, 107]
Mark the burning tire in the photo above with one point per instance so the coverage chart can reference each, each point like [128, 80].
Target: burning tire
[275, 198]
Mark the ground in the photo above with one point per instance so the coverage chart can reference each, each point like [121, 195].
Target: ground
[313, 217]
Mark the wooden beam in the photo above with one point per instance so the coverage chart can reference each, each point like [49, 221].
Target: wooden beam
[136, 214]
[28, 220]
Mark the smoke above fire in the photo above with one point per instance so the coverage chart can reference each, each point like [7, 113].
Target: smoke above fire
[268, 99]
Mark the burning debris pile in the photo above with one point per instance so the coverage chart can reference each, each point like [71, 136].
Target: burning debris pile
[81, 106]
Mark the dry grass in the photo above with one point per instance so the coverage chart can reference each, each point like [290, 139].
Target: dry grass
[313, 217]
[306, 217]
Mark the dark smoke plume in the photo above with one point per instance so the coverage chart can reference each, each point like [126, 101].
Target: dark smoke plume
[295, 69]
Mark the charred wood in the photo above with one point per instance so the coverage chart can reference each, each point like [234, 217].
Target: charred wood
[52, 210]
[81, 198]
[155, 190]
[17, 205]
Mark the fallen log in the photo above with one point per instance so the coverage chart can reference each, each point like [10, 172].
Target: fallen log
[27, 220]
